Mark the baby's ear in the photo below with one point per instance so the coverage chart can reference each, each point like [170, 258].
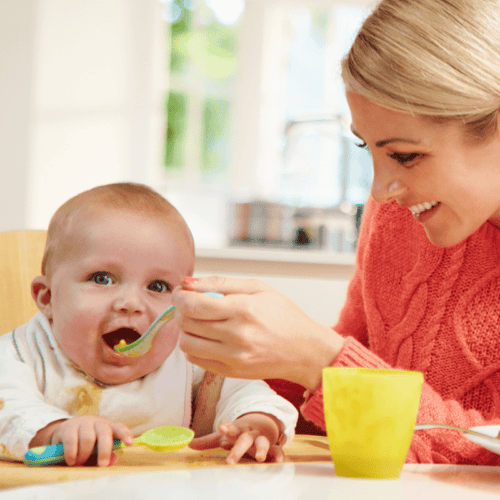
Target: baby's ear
[40, 291]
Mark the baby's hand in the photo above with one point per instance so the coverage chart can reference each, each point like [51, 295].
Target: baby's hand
[253, 433]
[79, 435]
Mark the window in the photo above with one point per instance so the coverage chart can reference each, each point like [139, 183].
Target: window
[256, 111]
[203, 66]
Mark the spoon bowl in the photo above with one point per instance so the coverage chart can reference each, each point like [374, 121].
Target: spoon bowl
[164, 439]
[143, 344]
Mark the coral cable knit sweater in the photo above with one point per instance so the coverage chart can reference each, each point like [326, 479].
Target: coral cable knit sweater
[416, 306]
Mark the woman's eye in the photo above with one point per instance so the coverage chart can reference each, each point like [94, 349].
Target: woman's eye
[101, 278]
[159, 286]
[404, 158]
[362, 145]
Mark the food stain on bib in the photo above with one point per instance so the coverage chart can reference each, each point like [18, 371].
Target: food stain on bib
[87, 400]
[5, 453]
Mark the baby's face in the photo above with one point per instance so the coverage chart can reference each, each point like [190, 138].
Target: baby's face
[117, 277]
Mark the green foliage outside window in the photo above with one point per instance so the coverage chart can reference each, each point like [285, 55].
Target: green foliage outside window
[176, 129]
[203, 64]
[216, 124]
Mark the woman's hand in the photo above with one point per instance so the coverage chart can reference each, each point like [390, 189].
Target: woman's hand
[79, 435]
[253, 433]
[253, 332]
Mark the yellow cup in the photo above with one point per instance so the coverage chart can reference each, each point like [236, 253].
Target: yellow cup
[370, 415]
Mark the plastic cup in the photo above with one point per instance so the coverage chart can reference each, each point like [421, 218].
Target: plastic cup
[370, 415]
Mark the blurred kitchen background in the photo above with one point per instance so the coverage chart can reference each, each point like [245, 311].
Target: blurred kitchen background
[233, 109]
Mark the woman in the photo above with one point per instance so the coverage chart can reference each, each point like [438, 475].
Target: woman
[423, 86]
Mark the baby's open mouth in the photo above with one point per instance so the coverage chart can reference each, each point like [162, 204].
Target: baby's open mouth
[126, 334]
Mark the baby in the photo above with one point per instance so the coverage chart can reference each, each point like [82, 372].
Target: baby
[113, 256]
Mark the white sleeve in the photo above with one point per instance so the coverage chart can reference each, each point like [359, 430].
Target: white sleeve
[240, 396]
[23, 410]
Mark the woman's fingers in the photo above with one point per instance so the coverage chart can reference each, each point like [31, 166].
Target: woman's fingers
[209, 342]
[252, 332]
[199, 305]
[225, 285]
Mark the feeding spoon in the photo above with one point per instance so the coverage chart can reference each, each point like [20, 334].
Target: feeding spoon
[143, 344]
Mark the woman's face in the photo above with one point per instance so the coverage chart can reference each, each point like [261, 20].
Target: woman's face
[451, 186]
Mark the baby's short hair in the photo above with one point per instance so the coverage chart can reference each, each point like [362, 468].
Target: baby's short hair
[128, 196]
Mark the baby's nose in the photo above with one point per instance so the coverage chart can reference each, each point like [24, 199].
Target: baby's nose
[129, 300]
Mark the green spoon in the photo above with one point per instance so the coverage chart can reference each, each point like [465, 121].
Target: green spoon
[160, 439]
[143, 344]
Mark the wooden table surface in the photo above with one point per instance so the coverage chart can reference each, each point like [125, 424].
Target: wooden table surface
[303, 449]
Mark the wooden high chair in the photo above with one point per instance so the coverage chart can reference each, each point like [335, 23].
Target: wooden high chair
[20, 261]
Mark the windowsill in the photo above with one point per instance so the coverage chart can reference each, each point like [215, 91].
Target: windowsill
[276, 255]
[275, 262]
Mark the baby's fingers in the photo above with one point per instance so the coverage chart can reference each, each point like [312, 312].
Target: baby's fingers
[275, 454]
[262, 445]
[122, 432]
[104, 444]
[206, 442]
[242, 446]
[87, 439]
[71, 446]
[230, 430]
[106, 433]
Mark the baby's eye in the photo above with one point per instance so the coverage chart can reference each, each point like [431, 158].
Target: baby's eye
[404, 158]
[159, 286]
[101, 278]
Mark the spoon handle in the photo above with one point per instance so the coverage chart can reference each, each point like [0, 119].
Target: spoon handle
[54, 454]
[420, 427]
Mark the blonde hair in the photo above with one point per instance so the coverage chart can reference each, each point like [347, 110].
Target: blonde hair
[126, 196]
[435, 58]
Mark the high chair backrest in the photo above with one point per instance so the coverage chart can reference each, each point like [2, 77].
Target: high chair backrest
[20, 261]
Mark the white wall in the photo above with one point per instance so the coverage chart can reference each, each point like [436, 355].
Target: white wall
[82, 100]
[17, 41]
